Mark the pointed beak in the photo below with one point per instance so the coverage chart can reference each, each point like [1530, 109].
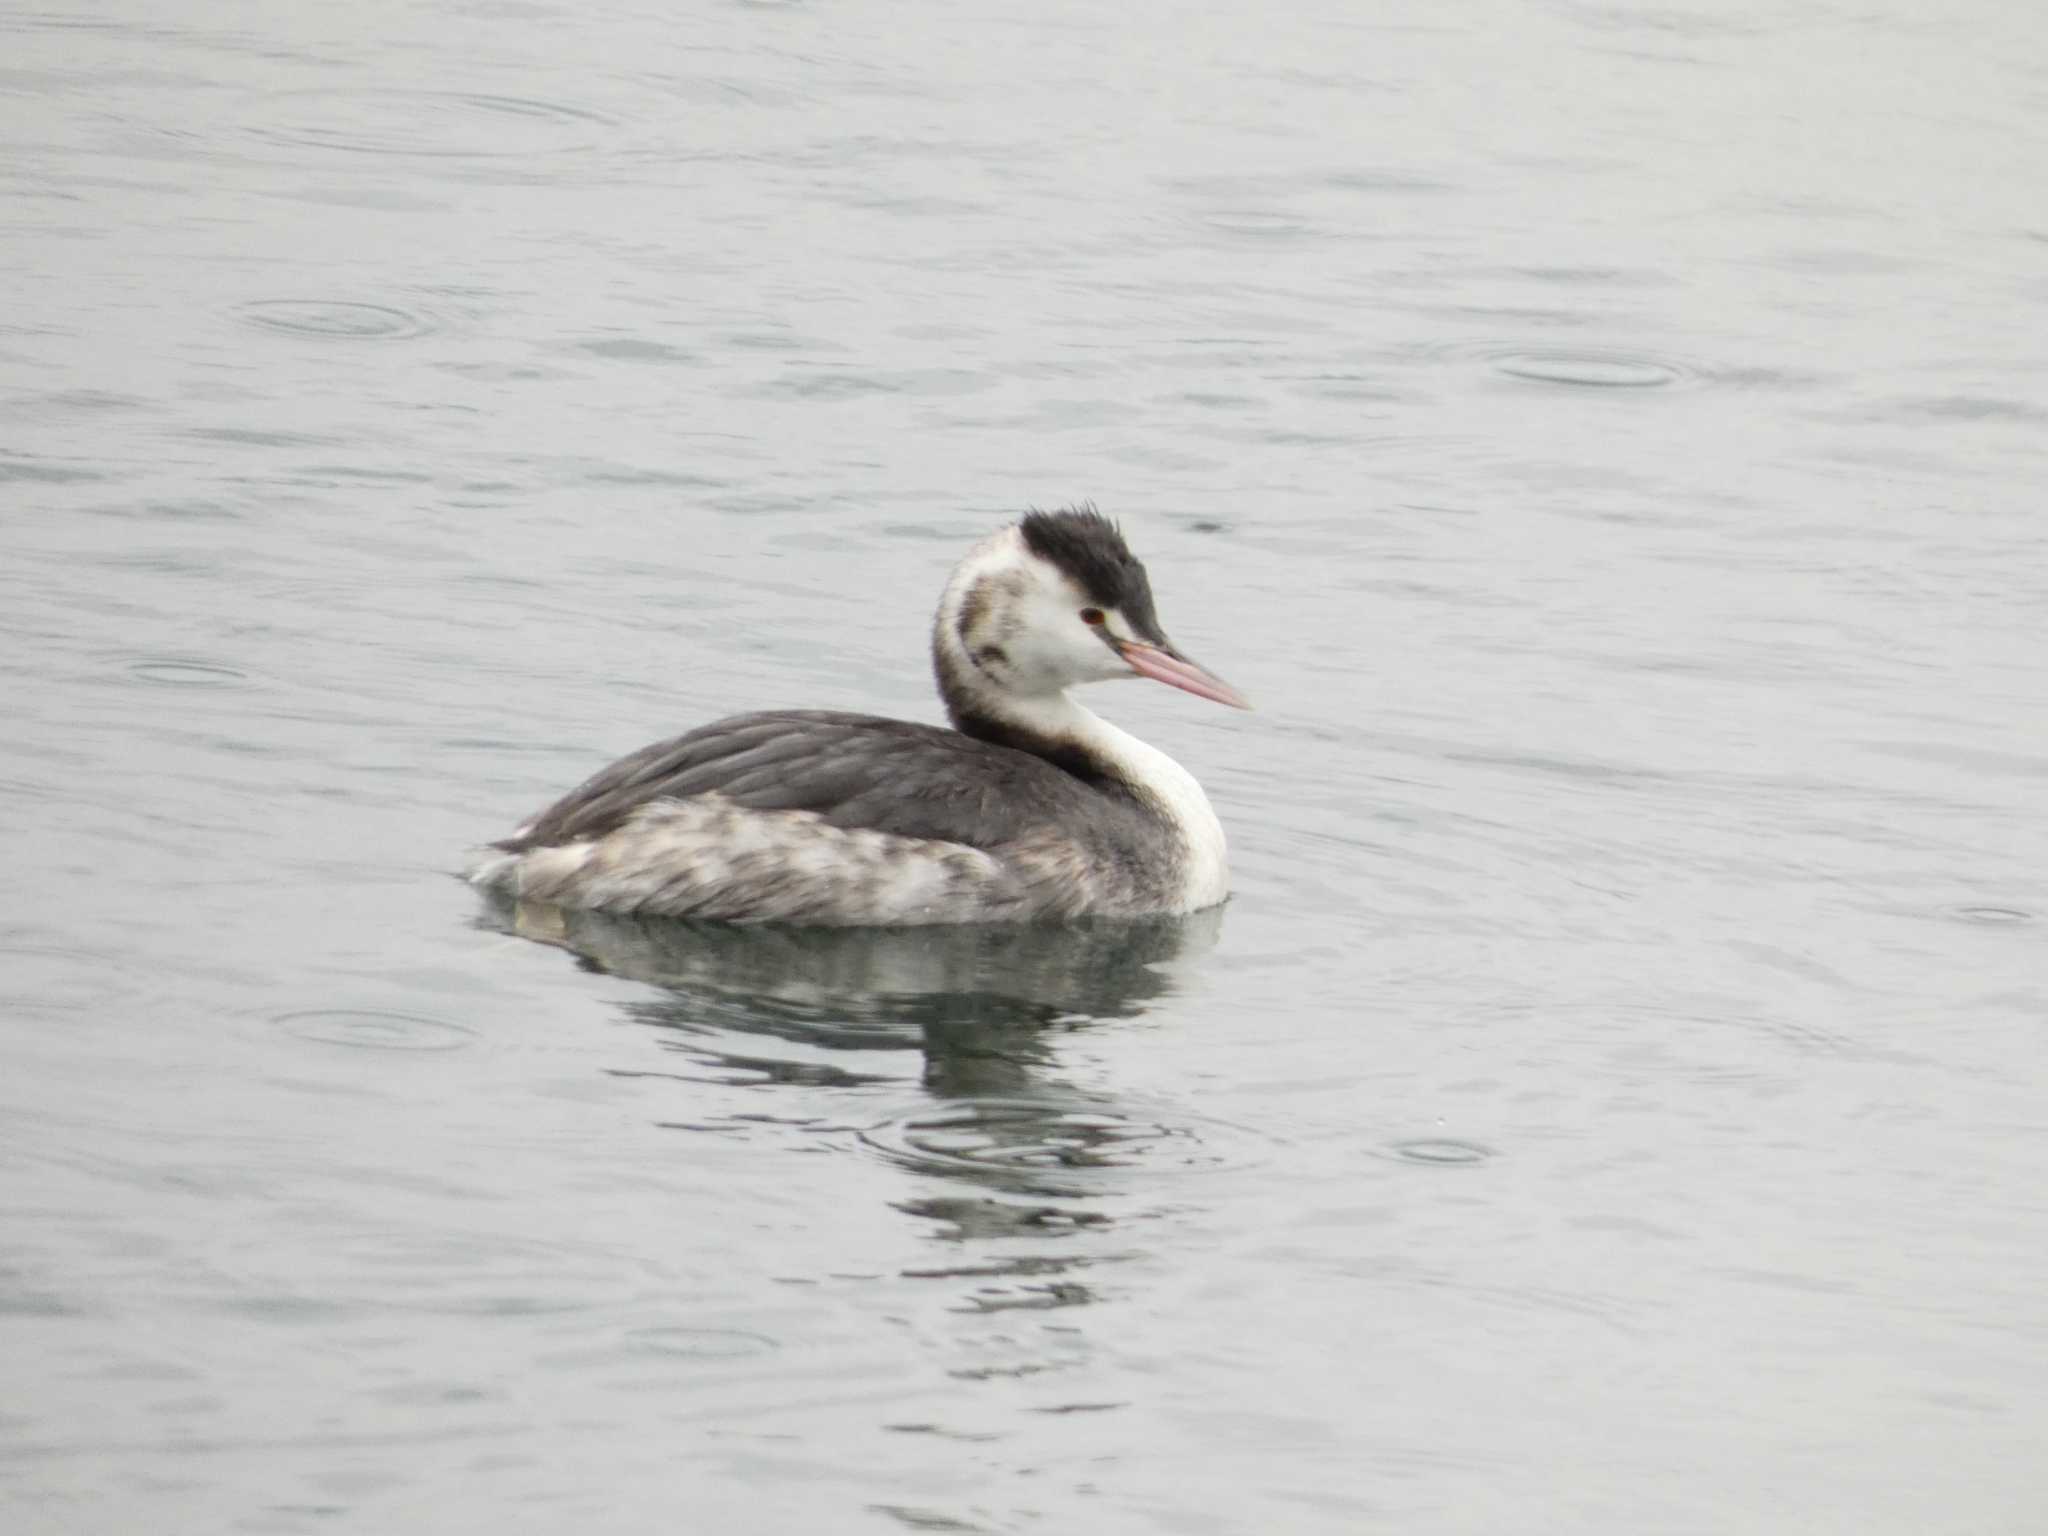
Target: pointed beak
[1166, 665]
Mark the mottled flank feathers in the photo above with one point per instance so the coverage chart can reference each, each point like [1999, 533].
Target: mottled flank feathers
[818, 817]
[707, 858]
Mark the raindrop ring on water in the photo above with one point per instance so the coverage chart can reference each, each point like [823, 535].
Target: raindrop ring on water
[1583, 367]
[1589, 370]
[368, 1031]
[701, 1343]
[1065, 1140]
[1440, 1152]
[337, 319]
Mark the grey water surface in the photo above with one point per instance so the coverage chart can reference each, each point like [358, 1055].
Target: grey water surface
[1607, 440]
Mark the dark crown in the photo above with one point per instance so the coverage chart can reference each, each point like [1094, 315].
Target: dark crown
[1089, 549]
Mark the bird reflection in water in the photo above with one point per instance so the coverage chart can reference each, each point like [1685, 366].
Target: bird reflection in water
[985, 1004]
[981, 1001]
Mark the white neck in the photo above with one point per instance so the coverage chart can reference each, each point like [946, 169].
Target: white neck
[1149, 773]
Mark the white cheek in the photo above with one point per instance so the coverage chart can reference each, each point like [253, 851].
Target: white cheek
[1053, 648]
[1084, 654]
[1101, 664]
[1043, 648]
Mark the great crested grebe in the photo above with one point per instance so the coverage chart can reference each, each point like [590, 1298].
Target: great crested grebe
[1030, 808]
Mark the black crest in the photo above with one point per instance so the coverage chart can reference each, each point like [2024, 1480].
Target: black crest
[1088, 547]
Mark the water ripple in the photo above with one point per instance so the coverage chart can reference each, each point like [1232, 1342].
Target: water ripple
[1583, 367]
[450, 1272]
[700, 1343]
[37, 976]
[1062, 1140]
[1439, 1152]
[341, 319]
[437, 124]
[1254, 224]
[1598, 368]
[1994, 916]
[171, 672]
[633, 349]
[369, 1031]
[44, 472]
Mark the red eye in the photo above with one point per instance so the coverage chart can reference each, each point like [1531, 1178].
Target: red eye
[1091, 616]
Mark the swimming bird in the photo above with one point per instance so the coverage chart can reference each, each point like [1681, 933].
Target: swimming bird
[1030, 808]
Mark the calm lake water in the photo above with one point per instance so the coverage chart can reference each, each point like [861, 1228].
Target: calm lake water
[1608, 441]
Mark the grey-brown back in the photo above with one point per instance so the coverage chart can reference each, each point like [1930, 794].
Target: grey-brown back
[863, 771]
